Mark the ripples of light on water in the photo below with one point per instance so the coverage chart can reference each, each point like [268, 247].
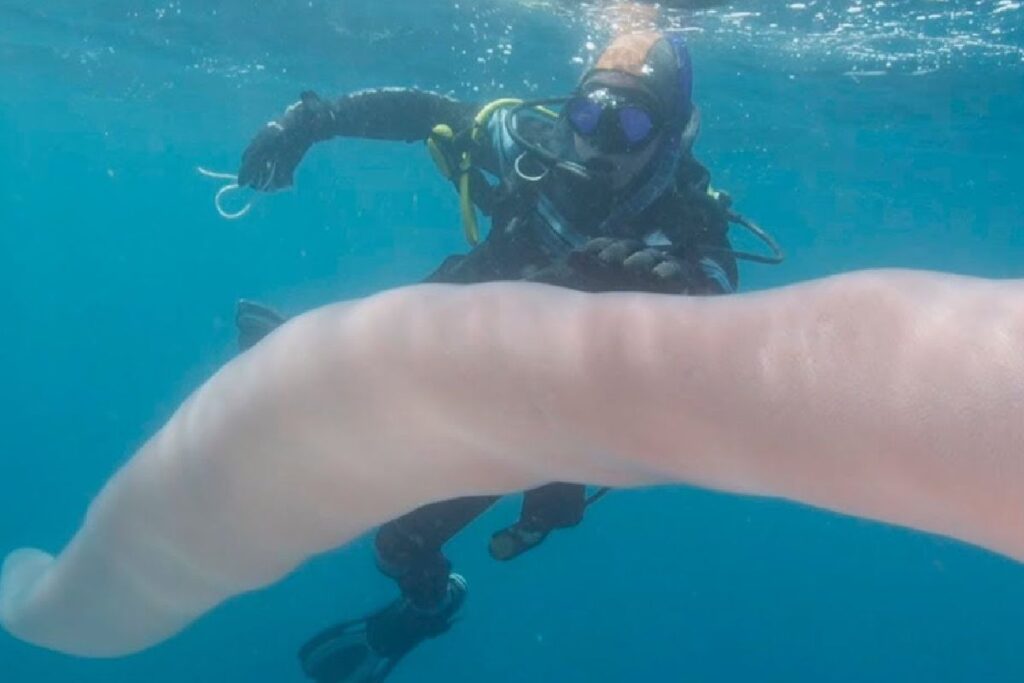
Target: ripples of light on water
[485, 44]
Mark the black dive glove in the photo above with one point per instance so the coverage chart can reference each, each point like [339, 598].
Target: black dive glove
[269, 161]
[611, 264]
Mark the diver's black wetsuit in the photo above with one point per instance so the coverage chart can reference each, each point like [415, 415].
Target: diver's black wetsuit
[521, 245]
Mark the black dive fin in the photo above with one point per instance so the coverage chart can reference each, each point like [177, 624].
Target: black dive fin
[254, 322]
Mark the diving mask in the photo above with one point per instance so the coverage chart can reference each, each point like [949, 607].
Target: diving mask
[612, 122]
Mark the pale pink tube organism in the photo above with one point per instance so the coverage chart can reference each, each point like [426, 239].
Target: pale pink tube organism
[892, 395]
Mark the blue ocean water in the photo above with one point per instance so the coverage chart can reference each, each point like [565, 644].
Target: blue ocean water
[860, 133]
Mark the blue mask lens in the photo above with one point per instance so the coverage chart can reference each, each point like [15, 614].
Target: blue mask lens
[610, 123]
[584, 115]
[636, 124]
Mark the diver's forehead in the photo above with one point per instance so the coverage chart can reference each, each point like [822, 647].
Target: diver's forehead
[614, 80]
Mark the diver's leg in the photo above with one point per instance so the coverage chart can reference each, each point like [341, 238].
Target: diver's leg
[408, 550]
[553, 506]
[367, 650]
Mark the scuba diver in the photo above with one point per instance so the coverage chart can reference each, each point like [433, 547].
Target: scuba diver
[598, 191]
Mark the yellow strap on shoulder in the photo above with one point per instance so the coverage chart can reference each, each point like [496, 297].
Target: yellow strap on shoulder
[470, 225]
[485, 114]
[440, 144]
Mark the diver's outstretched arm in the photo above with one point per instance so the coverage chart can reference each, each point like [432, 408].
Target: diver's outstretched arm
[401, 114]
[406, 114]
[891, 395]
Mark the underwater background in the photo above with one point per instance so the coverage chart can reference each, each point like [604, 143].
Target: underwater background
[862, 134]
